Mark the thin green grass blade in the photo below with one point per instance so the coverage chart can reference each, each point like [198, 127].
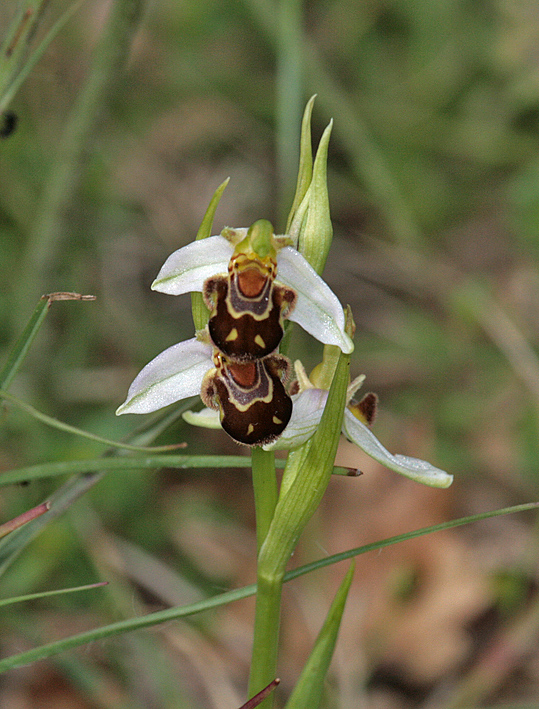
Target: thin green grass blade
[75, 487]
[15, 43]
[50, 227]
[152, 619]
[19, 351]
[308, 690]
[12, 545]
[46, 594]
[182, 462]
[8, 94]
[354, 135]
[61, 426]
[150, 462]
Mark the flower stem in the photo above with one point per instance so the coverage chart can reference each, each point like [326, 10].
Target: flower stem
[266, 633]
[265, 489]
[268, 596]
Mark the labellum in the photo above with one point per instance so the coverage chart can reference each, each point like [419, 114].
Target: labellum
[248, 308]
[251, 398]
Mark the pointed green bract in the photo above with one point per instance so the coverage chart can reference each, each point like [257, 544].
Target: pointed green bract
[198, 307]
[305, 169]
[309, 222]
[316, 233]
[308, 690]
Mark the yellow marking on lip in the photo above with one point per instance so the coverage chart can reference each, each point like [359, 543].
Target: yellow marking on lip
[232, 335]
[250, 429]
[260, 341]
[276, 420]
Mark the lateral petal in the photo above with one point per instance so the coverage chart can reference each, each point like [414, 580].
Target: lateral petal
[205, 418]
[173, 375]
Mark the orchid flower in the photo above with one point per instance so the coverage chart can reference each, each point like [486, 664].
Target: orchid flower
[259, 260]
[308, 406]
[317, 308]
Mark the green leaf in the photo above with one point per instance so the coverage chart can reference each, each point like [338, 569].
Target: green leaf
[308, 691]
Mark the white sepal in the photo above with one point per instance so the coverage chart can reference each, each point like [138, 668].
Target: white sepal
[187, 268]
[173, 375]
[306, 415]
[317, 310]
[413, 468]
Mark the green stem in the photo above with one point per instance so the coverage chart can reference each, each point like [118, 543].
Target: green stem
[312, 464]
[268, 597]
[265, 490]
[266, 632]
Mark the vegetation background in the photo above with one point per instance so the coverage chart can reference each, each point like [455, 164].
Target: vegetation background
[434, 186]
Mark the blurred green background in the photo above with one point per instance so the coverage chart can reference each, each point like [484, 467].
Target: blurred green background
[434, 187]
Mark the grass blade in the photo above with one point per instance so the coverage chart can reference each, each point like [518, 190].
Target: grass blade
[46, 594]
[60, 425]
[18, 353]
[152, 619]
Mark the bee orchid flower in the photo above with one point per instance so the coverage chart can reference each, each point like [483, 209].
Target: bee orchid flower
[317, 309]
[308, 406]
[251, 280]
